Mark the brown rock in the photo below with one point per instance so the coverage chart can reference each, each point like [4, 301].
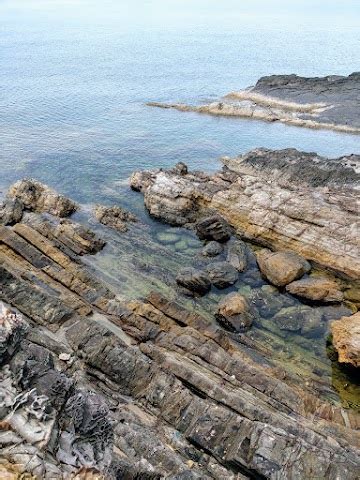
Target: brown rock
[114, 217]
[320, 289]
[346, 339]
[281, 268]
[234, 313]
[40, 198]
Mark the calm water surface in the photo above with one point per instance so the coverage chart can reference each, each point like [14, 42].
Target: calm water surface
[74, 79]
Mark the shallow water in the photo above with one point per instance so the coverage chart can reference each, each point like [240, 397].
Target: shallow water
[75, 77]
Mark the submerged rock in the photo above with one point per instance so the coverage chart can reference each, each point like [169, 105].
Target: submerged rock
[346, 339]
[195, 281]
[281, 268]
[300, 319]
[114, 217]
[212, 249]
[213, 228]
[37, 197]
[222, 274]
[237, 254]
[319, 289]
[234, 313]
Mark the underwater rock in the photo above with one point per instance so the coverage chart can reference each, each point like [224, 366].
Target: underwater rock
[319, 289]
[38, 197]
[234, 313]
[11, 211]
[300, 319]
[213, 228]
[196, 281]
[222, 274]
[281, 268]
[114, 217]
[167, 237]
[237, 254]
[346, 339]
[212, 249]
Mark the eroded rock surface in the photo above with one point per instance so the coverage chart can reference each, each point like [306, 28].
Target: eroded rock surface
[284, 199]
[92, 387]
[321, 102]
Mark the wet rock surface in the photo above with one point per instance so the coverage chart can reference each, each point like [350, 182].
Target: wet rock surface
[330, 102]
[222, 274]
[101, 388]
[114, 217]
[196, 281]
[234, 313]
[212, 249]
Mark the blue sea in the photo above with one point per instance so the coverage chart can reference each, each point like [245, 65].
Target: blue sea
[75, 76]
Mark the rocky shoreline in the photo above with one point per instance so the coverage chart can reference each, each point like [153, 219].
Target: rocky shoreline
[330, 102]
[97, 387]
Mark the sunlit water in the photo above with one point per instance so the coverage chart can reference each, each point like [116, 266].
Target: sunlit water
[74, 82]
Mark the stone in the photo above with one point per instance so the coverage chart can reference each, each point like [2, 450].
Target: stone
[281, 268]
[213, 228]
[212, 249]
[180, 168]
[346, 339]
[234, 313]
[11, 211]
[317, 289]
[222, 274]
[114, 217]
[37, 197]
[195, 281]
[300, 319]
[237, 254]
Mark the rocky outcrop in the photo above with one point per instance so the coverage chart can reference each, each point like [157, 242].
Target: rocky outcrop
[317, 289]
[330, 102]
[38, 197]
[93, 387]
[285, 199]
[346, 339]
[114, 217]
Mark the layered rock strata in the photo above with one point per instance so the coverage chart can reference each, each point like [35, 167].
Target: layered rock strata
[92, 387]
[330, 102]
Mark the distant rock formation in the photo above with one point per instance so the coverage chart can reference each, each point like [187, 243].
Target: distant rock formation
[331, 102]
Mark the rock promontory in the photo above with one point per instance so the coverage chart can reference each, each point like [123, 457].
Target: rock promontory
[330, 102]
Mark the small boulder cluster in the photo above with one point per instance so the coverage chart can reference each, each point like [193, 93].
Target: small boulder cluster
[285, 270]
